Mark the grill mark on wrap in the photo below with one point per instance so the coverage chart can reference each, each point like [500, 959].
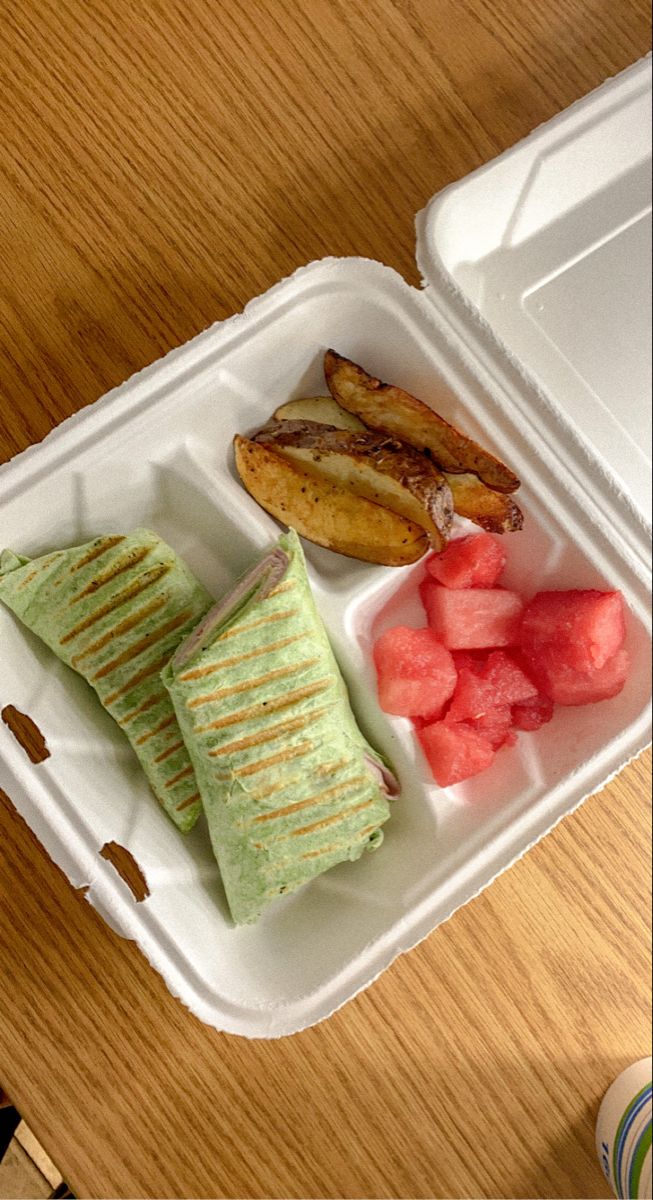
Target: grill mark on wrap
[143, 707]
[133, 559]
[43, 566]
[97, 552]
[274, 760]
[28, 578]
[263, 708]
[280, 786]
[359, 836]
[236, 659]
[125, 626]
[321, 798]
[187, 802]
[145, 737]
[273, 616]
[133, 589]
[166, 753]
[343, 815]
[143, 674]
[249, 685]
[330, 768]
[144, 644]
[268, 735]
[183, 774]
[277, 867]
[288, 585]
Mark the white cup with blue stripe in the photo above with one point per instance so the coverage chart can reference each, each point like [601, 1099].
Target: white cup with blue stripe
[623, 1133]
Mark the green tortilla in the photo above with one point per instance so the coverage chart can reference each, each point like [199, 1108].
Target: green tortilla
[289, 784]
[116, 609]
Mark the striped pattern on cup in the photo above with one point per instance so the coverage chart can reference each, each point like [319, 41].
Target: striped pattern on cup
[631, 1154]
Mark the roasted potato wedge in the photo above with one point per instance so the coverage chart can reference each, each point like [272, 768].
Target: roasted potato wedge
[370, 465]
[390, 409]
[324, 409]
[325, 513]
[494, 511]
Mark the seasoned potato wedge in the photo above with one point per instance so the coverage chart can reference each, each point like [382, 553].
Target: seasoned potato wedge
[494, 511]
[371, 465]
[324, 409]
[390, 409]
[325, 513]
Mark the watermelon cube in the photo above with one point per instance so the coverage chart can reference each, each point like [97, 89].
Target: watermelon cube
[495, 725]
[587, 625]
[454, 752]
[510, 683]
[472, 698]
[472, 618]
[572, 643]
[484, 697]
[467, 562]
[471, 660]
[532, 714]
[416, 675]
[565, 684]
[500, 683]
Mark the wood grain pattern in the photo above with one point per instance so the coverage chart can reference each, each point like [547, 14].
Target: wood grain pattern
[162, 163]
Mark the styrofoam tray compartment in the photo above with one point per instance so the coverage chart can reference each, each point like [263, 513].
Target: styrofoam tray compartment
[157, 452]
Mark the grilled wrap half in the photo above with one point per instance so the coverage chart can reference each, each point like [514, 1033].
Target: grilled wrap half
[115, 609]
[289, 784]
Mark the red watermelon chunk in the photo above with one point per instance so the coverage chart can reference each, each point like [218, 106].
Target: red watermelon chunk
[510, 739]
[469, 659]
[495, 725]
[565, 684]
[473, 697]
[532, 714]
[587, 625]
[468, 562]
[454, 752]
[484, 698]
[483, 683]
[510, 683]
[472, 618]
[415, 673]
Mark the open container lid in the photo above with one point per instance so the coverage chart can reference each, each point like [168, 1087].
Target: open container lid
[548, 247]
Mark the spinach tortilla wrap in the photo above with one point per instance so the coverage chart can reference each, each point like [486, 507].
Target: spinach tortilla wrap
[289, 785]
[115, 609]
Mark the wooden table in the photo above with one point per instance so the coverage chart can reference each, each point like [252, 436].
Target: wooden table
[164, 161]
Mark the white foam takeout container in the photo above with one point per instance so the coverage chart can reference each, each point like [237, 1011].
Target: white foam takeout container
[511, 245]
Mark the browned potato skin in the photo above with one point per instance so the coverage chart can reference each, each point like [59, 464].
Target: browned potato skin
[324, 513]
[390, 409]
[494, 511]
[371, 465]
